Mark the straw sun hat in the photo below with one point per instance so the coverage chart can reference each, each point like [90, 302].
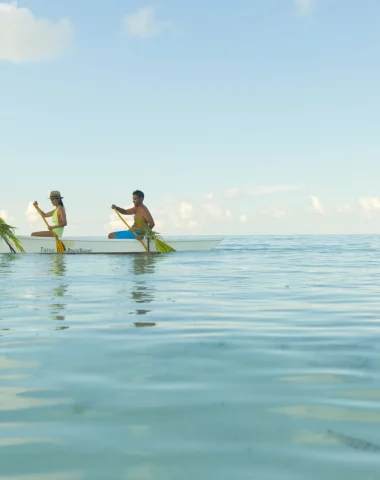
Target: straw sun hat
[55, 194]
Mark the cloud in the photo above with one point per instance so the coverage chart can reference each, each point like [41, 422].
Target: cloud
[216, 211]
[260, 190]
[370, 205]
[31, 213]
[232, 192]
[213, 210]
[25, 38]
[114, 222]
[185, 210]
[209, 196]
[4, 214]
[185, 220]
[274, 212]
[345, 208]
[317, 205]
[243, 218]
[178, 215]
[143, 24]
[158, 224]
[303, 6]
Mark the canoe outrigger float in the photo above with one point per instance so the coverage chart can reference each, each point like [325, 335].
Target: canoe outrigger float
[103, 245]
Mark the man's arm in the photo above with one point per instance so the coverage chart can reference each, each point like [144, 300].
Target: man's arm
[129, 211]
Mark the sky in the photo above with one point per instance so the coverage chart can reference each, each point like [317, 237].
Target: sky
[232, 116]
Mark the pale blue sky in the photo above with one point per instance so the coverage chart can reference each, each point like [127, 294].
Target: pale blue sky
[222, 95]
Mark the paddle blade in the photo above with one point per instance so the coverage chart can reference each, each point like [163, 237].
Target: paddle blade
[60, 246]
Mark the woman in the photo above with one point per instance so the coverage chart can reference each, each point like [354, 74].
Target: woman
[58, 216]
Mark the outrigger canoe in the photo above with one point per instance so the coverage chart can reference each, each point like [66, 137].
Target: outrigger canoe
[104, 245]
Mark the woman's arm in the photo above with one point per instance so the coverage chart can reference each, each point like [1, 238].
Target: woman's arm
[48, 214]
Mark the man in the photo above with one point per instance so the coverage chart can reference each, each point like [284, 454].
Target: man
[140, 212]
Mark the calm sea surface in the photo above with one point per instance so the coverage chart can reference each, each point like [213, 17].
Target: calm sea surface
[257, 361]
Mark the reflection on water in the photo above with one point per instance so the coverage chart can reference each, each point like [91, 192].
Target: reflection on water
[6, 363]
[17, 398]
[142, 291]
[144, 324]
[58, 265]
[253, 382]
[54, 476]
[338, 414]
[7, 260]
[58, 268]
[353, 442]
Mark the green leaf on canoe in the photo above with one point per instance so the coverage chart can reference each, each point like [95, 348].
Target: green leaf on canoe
[161, 246]
[7, 234]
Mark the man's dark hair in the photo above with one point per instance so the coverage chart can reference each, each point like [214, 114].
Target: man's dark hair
[139, 194]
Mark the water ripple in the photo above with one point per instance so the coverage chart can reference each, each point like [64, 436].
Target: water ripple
[257, 360]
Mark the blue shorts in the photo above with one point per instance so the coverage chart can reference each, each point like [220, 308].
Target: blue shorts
[126, 235]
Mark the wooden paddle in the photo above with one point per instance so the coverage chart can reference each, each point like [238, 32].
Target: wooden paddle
[60, 246]
[136, 236]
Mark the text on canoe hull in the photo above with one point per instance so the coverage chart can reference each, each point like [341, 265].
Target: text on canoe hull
[68, 250]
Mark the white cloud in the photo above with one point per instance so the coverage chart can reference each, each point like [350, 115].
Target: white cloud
[158, 224]
[370, 205]
[6, 217]
[143, 24]
[231, 193]
[345, 208]
[25, 38]
[216, 211]
[317, 205]
[243, 218]
[209, 196]
[303, 6]
[31, 213]
[260, 190]
[185, 210]
[114, 222]
[213, 210]
[274, 212]
[180, 217]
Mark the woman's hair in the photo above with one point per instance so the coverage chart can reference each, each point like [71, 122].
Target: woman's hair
[60, 202]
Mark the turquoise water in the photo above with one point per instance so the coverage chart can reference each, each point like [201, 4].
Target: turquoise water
[259, 360]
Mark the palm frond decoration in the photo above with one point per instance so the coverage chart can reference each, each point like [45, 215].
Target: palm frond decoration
[161, 246]
[7, 234]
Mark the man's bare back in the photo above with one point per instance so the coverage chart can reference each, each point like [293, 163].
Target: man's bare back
[140, 212]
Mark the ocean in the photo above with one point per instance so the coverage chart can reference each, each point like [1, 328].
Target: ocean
[257, 360]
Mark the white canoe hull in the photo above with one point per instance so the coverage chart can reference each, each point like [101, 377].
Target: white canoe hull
[98, 245]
